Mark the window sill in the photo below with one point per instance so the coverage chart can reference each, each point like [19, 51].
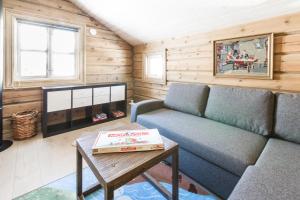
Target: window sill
[41, 83]
[159, 82]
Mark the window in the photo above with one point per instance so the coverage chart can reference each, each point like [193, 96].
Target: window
[45, 51]
[42, 51]
[154, 67]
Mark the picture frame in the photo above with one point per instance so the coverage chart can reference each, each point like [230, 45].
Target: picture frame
[244, 57]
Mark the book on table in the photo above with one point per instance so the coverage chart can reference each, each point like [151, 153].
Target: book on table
[127, 141]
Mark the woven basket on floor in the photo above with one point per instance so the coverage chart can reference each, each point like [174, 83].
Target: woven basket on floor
[24, 124]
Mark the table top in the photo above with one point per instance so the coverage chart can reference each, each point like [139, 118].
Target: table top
[115, 169]
[80, 86]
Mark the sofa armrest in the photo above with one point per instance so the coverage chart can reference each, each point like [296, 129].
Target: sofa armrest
[143, 107]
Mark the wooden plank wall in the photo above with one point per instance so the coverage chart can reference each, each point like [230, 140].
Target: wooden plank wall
[189, 59]
[108, 57]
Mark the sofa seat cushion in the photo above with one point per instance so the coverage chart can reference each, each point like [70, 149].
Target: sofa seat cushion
[267, 183]
[280, 154]
[249, 109]
[230, 148]
[287, 117]
[188, 98]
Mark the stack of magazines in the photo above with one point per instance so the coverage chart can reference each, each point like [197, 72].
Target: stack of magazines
[127, 141]
[118, 114]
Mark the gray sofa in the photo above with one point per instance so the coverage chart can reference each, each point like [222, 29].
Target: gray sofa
[223, 134]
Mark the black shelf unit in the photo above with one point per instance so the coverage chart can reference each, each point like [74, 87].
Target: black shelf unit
[71, 122]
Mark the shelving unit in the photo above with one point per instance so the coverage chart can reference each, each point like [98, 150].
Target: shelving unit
[72, 107]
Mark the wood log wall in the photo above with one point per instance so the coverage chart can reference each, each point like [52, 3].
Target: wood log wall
[108, 57]
[189, 59]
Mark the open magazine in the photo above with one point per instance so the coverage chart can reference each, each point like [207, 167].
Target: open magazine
[127, 141]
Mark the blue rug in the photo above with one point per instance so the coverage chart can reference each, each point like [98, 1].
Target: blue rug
[65, 189]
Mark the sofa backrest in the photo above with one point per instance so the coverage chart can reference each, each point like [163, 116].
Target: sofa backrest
[249, 109]
[287, 117]
[188, 98]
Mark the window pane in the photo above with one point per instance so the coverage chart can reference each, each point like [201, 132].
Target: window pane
[33, 63]
[155, 66]
[63, 65]
[32, 37]
[63, 41]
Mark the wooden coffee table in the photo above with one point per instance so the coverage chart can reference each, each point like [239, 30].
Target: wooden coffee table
[116, 169]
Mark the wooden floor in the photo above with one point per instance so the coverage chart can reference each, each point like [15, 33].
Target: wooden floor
[35, 162]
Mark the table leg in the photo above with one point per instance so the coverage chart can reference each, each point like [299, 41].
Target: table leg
[78, 174]
[109, 193]
[175, 175]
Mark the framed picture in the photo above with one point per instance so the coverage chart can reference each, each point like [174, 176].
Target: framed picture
[244, 57]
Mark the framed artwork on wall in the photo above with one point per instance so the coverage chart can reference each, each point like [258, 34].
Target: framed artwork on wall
[244, 57]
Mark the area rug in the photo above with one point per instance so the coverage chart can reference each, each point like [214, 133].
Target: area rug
[137, 189]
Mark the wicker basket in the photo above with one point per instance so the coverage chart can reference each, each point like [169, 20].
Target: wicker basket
[24, 124]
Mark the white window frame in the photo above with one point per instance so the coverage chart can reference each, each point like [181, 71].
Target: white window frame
[12, 78]
[146, 56]
[48, 51]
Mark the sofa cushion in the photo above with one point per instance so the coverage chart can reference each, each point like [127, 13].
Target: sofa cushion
[263, 184]
[249, 109]
[287, 117]
[188, 98]
[280, 154]
[228, 147]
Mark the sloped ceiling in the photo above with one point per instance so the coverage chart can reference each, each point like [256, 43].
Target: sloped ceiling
[142, 21]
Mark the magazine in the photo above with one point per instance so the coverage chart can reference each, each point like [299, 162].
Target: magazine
[127, 141]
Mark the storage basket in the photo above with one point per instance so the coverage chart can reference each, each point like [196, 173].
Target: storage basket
[24, 124]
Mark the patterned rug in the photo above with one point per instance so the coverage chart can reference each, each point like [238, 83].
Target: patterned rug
[137, 189]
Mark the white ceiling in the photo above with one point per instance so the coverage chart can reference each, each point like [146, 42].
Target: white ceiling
[142, 21]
